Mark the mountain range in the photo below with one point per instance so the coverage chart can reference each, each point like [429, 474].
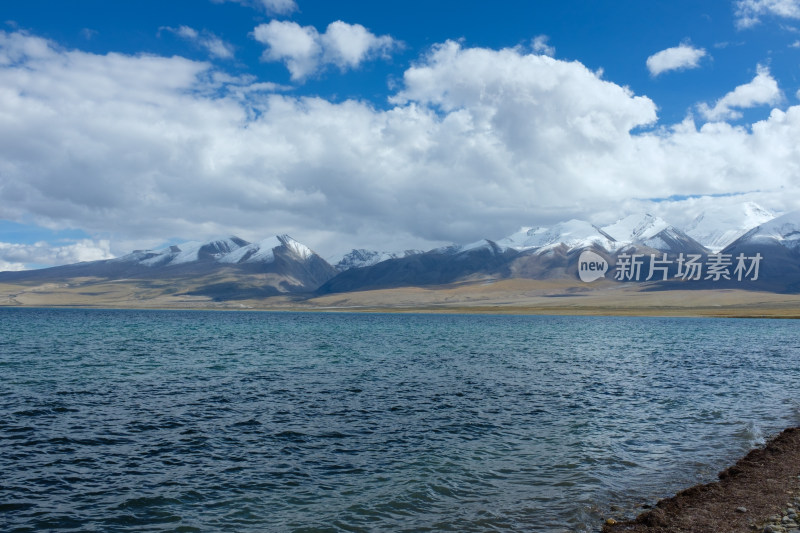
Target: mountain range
[765, 250]
[229, 268]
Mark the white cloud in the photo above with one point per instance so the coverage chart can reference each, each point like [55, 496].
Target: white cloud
[683, 56]
[215, 46]
[305, 51]
[477, 143]
[278, 7]
[762, 90]
[17, 256]
[12, 267]
[291, 43]
[347, 45]
[186, 32]
[272, 7]
[525, 99]
[749, 12]
[540, 46]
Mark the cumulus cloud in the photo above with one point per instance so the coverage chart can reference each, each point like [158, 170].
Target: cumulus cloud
[681, 57]
[749, 12]
[347, 45]
[762, 90]
[18, 256]
[540, 46]
[297, 46]
[476, 143]
[272, 7]
[215, 46]
[528, 101]
[305, 51]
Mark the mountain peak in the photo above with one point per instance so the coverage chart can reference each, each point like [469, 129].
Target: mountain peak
[572, 233]
[636, 228]
[295, 246]
[361, 257]
[783, 230]
[717, 227]
[226, 250]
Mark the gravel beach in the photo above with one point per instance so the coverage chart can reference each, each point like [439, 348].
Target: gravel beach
[760, 493]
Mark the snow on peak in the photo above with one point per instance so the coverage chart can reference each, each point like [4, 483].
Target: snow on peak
[228, 250]
[263, 250]
[637, 228]
[784, 230]
[361, 257]
[171, 255]
[718, 227]
[186, 252]
[477, 245]
[754, 212]
[573, 233]
[220, 247]
[298, 248]
[519, 240]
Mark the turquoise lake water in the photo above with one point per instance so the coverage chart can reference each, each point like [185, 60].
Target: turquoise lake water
[215, 421]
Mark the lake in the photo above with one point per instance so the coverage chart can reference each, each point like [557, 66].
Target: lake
[258, 421]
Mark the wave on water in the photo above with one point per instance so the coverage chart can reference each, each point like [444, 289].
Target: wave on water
[147, 421]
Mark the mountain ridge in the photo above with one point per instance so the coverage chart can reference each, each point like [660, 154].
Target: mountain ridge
[272, 266]
[232, 268]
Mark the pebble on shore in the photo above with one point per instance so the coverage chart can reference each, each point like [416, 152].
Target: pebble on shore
[786, 522]
[766, 479]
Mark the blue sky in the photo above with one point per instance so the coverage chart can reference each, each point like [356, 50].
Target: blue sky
[383, 125]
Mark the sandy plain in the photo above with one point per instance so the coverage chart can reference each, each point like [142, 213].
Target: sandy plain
[512, 296]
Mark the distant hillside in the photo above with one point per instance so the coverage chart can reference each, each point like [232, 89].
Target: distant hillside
[232, 268]
[637, 248]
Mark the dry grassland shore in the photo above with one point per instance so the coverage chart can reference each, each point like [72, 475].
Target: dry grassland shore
[515, 296]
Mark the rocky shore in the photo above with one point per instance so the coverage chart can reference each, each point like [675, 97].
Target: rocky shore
[760, 493]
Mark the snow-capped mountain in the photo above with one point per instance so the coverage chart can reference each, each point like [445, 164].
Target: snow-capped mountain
[775, 245]
[652, 232]
[230, 250]
[463, 251]
[479, 260]
[232, 268]
[718, 227]
[783, 231]
[537, 253]
[280, 264]
[183, 253]
[264, 251]
[634, 230]
[574, 234]
[359, 258]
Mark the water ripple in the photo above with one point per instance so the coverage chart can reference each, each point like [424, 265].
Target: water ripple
[190, 421]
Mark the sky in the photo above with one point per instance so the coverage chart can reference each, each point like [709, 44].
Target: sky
[384, 125]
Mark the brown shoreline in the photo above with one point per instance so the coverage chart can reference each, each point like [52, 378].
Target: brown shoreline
[511, 296]
[751, 496]
[697, 312]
